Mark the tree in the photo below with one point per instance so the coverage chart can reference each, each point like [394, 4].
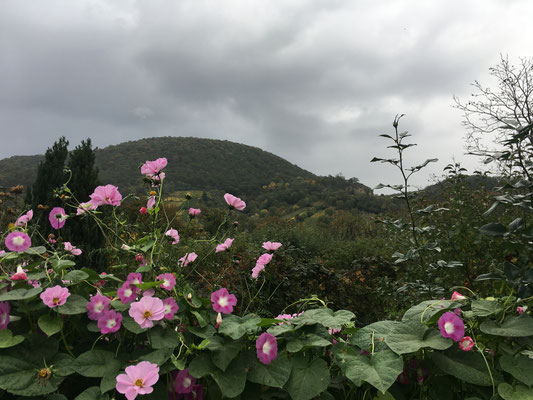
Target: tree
[83, 180]
[50, 176]
[502, 116]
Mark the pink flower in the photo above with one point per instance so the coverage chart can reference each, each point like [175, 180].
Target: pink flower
[134, 278]
[519, 310]
[218, 320]
[193, 212]
[20, 275]
[257, 270]
[173, 234]
[151, 168]
[109, 322]
[457, 311]
[187, 259]
[169, 281]
[222, 301]
[4, 314]
[73, 249]
[267, 348]
[170, 307]
[264, 259]
[457, 296]
[451, 326]
[224, 246]
[24, 219]
[146, 310]
[151, 202]
[143, 210]
[466, 343]
[97, 306]
[184, 382]
[234, 202]
[138, 379]
[149, 292]
[127, 293]
[57, 217]
[273, 246]
[18, 241]
[55, 296]
[84, 207]
[107, 194]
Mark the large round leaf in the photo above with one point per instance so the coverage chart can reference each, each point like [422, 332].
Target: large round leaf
[468, 367]
[512, 326]
[308, 379]
[519, 367]
[411, 336]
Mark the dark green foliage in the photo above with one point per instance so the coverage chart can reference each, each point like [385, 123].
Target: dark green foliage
[84, 179]
[50, 175]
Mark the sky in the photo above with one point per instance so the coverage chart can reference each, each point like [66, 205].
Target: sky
[314, 81]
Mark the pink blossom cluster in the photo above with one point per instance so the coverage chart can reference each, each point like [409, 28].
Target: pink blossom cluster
[224, 246]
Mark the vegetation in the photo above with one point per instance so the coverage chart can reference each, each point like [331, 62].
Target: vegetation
[295, 295]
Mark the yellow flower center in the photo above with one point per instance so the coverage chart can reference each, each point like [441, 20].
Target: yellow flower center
[139, 382]
[147, 314]
[55, 300]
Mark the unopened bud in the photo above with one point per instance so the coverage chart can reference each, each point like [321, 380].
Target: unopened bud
[189, 296]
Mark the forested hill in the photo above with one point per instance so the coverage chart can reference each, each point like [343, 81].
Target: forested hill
[193, 163]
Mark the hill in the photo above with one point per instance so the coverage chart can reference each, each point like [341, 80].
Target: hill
[193, 163]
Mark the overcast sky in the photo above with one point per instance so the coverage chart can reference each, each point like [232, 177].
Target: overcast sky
[312, 81]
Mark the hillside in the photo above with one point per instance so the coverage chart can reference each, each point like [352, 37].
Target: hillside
[193, 163]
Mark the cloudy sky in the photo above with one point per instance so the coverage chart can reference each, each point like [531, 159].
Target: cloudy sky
[312, 81]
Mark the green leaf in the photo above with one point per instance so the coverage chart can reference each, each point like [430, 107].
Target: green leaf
[411, 336]
[232, 381]
[466, 366]
[275, 374]
[62, 264]
[164, 338]
[92, 393]
[18, 375]
[8, 340]
[326, 317]
[75, 305]
[204, 333]
[236, 327]
[50, 324]
[307, 380]
[520, 368]
[201, 365]
[56, 396]
[512, 326]
[95, 363]
[484, 308]
[518, 392]
[202, 318]
[429, 309]
[119, 306]
[148, 285]
[76, 276]
[93, 275]
[132, 326]
[493, 229]
[379, 330]
[223, 352]
[309, 340]
[36, 250]
[381, 370]
[109, 380]
[21, 294]
[158, 357]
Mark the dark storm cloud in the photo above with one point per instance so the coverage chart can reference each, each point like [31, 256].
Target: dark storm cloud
[313, 82]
